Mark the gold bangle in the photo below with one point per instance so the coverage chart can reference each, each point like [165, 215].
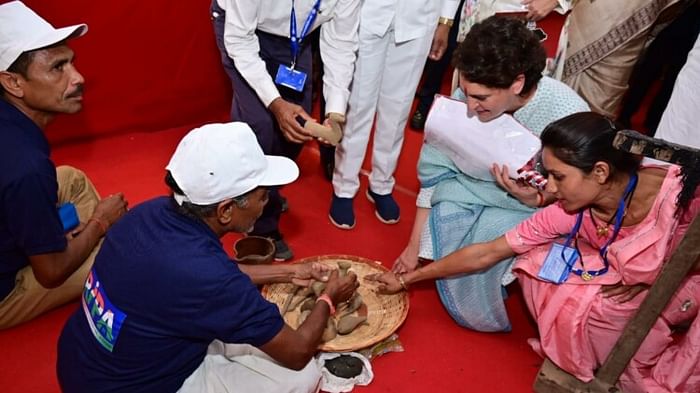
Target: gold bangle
[445, 21]
[402, 282]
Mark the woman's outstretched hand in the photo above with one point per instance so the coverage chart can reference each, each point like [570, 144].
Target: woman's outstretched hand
[407, 261]
[387, 283]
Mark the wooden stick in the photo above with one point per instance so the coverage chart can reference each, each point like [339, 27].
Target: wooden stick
[673, 272]
[671, 276]
[636, 143]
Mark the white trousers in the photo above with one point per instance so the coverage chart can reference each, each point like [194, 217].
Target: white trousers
[385, 80]
[243, 368]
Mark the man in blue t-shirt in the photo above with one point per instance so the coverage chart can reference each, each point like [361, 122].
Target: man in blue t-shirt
[164, 308]
[44, 256]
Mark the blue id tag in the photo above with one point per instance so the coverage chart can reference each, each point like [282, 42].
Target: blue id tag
[69, 216]
[557, 265]
[289, 77]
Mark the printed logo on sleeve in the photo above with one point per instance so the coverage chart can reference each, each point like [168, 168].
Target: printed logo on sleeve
[105, 319]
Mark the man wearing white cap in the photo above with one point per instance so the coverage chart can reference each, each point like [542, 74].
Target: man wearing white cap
[165, 308]
[44, 254]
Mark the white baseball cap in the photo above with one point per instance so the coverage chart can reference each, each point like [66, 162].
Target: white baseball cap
[224, 160]
[23, 30]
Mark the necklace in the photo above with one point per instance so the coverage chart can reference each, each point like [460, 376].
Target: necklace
[587, 275]
[603, 229]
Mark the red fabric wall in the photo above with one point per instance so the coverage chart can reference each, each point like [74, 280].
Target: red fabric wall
[149, 65]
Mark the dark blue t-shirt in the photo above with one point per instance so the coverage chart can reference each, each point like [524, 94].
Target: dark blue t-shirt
[162, 288]
[29, 222]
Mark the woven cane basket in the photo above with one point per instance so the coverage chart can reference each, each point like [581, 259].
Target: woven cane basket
[385, 313]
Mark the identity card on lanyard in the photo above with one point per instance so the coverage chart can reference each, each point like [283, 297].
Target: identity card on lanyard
[287, 75]
[560, 260]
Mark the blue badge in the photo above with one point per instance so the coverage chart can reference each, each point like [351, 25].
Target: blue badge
[557, 265]
[69, 216]
[105, 319]
[289, 77]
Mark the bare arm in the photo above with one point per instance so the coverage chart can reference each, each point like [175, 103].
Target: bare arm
[408, 260]
[469, 259]
[294, 348]
[52, 269]
[538, 9]
[299, 274]
[439, 45]
[447, 10]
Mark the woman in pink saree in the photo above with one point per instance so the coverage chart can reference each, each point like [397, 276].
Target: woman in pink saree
[586, 262]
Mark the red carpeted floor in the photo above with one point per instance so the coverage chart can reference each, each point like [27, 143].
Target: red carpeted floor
[438, 356]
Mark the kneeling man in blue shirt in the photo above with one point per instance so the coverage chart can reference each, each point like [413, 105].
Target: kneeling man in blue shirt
[165, 309]
[44, 256]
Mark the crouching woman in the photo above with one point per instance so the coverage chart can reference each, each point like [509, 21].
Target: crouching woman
[586, 262]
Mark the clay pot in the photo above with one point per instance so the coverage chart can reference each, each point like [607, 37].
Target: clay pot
[254, 250]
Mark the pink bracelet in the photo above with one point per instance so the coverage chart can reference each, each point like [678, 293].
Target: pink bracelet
[328, 300]
[101, 224]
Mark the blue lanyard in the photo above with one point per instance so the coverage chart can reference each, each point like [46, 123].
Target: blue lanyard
[296, 40]
[619, 216]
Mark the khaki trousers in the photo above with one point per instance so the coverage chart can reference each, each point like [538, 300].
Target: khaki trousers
[29, 299]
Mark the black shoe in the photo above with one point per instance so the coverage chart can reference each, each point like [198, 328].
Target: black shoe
[418, 120]
[282, 251]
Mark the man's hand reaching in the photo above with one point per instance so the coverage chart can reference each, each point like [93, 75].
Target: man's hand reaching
[306, 273]
[286, 114]
[538, 9]
[437, 50]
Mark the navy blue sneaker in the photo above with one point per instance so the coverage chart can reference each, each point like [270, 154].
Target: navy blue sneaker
[341, 213]
[386, 209]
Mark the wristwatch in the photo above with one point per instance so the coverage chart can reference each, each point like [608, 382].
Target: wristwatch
[445, 21]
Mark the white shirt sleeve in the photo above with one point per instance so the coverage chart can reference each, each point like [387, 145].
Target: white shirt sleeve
[243, 47]
[338, 45]
[449, 8]
[424, 197]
